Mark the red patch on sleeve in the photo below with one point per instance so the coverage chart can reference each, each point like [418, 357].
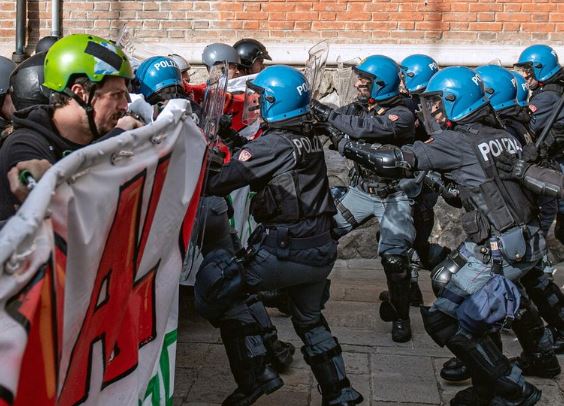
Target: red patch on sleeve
[533, 108]
[393, 117]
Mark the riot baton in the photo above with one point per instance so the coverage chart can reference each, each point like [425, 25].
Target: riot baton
[550, 122]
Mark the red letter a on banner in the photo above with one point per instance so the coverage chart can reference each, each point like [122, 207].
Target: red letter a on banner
[121, 312]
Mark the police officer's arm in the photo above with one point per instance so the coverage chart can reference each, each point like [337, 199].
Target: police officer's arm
[377, 128]
[544, 181]
[442, 154]
[541, 107]
[257, 162]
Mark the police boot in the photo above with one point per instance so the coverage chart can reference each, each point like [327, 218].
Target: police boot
[322, 353]
[280, 354]
[557, 339]
[549, 300]
[537, 358]
[454, 370]
[492, 369]
[398, 276]
[472, 396]
[247, 360]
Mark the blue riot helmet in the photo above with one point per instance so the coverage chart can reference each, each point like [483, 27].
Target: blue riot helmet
[157, 79]
[416, 70]
[539, 61]
[500, 86]
[278, 94]
[383, 75]
[452, 94]
[522, 89]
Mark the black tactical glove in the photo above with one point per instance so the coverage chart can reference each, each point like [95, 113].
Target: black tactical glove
[530, 153]
[228, 135]
[320, 111]
[511, 167]
[215, 160]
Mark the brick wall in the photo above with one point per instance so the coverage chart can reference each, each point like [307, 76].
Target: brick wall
[345, 21]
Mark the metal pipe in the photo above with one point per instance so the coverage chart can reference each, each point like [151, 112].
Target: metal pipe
[21, 16]
[56, 18]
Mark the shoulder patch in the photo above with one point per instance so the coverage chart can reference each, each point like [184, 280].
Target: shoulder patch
[533, 108]
[393, 117]
[244, 155]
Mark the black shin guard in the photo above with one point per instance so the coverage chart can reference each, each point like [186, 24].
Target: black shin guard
[546, 295]
[398, 276]
[322, 353]
[247, 360]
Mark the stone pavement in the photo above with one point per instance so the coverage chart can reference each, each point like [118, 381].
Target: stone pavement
[386, 373]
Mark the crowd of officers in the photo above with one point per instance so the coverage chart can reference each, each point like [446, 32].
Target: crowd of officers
[489, 140]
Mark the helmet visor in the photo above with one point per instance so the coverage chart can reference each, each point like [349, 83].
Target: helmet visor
[432, 114]
[525, 69]
[251, 107]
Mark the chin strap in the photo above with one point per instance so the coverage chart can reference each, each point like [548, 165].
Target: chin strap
[87, 107]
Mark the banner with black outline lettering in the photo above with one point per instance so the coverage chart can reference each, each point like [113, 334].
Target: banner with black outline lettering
[90, 266]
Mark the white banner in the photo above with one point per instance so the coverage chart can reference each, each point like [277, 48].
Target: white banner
[90, 267]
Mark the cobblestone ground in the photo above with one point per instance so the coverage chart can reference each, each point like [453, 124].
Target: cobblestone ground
[386, 373]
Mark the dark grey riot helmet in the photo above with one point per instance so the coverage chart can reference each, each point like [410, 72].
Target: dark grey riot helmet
[217, 53]
[45, 43]
[249, 50]
[25, 83]
[6, 69]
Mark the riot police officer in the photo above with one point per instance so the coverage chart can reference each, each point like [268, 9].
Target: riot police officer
[503, 242]
[416, 71]
[501, 89]
[253, 54]
[380, 115]
[292, 247]
[545, 77]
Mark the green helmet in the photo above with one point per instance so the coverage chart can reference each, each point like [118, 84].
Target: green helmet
[83, 54]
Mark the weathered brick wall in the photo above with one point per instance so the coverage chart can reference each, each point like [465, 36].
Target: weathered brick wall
[347, 21]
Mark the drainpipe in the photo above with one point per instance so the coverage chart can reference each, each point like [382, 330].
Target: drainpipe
[56, 18]
[21, 16]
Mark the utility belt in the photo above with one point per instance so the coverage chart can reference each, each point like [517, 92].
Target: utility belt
[280, 243]
[382, 190]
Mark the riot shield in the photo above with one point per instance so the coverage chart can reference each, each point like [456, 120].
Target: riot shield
[214, 100]
[315, 66]
[125, 39]
[345, 78]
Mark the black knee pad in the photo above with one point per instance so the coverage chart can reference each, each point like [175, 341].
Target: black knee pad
[396, 267]
[219, 284]
[438, 325]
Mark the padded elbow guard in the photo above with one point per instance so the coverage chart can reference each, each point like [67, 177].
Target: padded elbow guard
[543, 181]
[386, 160]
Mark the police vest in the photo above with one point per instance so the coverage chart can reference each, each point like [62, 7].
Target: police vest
[497, 204]
[299, 193]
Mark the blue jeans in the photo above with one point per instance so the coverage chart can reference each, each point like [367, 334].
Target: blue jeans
[394, 213]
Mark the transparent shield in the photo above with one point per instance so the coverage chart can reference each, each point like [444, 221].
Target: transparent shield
[214, 100]
[432, 114]
[125, 39]
[315, 66]
[251, 107]
[495, 61]
[345, 79]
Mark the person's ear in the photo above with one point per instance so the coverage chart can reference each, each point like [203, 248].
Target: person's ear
[80, 91]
